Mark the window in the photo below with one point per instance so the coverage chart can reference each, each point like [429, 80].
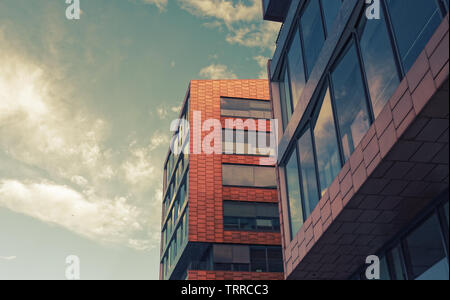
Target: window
[308, 171]
[428, 260]
[446, 213]
[250, 176]
[351, 103]
[330, 12]
[397, 264]
[296, 69]
[328, 160]
[414, 22]
[250, 216]
[258, 259]
[245, 108]
[384, 269]
[294, 194]
[379, 62]
[313, 34]
[247, 142]
[285, 99]
[275, 260]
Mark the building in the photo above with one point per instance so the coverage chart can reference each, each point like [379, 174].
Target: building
[362, 92]
[220, 211]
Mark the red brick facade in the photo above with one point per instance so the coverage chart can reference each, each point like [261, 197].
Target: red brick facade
[206, 193]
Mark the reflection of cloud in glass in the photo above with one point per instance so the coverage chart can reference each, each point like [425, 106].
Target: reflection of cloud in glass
[326, 145]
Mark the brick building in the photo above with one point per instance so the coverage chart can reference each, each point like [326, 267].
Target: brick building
[220, 211]
[363, 151]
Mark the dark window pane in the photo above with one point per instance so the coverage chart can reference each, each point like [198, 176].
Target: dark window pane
[266, 210]
[275, 258]
[241, 267]
[427, 253]
[241, 255]
[351, 101]
[414, 23]
[230, 223]
[384, 269]
[446, 213]
[308, 169]
[379, 62]
[285, 99]
[330, 12]
[222, 267]
[296, 69]
[258, 259]
[245, 108]
[293, 192]
[247, 223]
[223, 253]
[313, 34]
[328, 159]
[397, 262]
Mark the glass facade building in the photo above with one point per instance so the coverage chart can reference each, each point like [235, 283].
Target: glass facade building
[363, 147]
[220, 217]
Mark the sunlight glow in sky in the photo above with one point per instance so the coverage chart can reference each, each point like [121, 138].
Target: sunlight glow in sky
[85, 109]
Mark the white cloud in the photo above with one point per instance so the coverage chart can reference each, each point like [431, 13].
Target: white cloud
[59, 168]
[225, 10]
[106, 220]
[217, 71]
[244, 22]
[161, 4]
[8, 257]
[262, 63]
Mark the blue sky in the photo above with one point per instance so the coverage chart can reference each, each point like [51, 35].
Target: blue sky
[85, 108]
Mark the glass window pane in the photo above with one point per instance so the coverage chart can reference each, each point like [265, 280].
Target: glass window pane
[384, 269]
[230, 223]
[294, 196]
[241, 255]
[296, 69]
[285, 94]
[351, 104]
[245, 108]
[328, 160]
[265, 177]
[313, 34]
[379, 62]
[247, 223]
[258, 259]
[427, 253]
[397, 262]
[308, 169]
[266, 210]
[446, 213]
[264, 224]
[414, 23]
[223, 253]
[330, 12]
[237, 175]
[275, 258]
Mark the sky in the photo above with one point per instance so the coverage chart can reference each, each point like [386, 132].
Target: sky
[85, 109]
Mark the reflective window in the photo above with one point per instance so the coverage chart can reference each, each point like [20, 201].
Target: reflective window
[446, 212]
[258, 259]
[285, 98]
[414, 23]
[293, 193]
[328, 161]
[426, 252]
[296, 69]
[397, 263]
[245, 108]
[251, 176]
[379, 62]
[250, 216]
[313, 34]
[247, 142]
[350, 99]
[384, 269]
[308, 171]
[330, 12]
